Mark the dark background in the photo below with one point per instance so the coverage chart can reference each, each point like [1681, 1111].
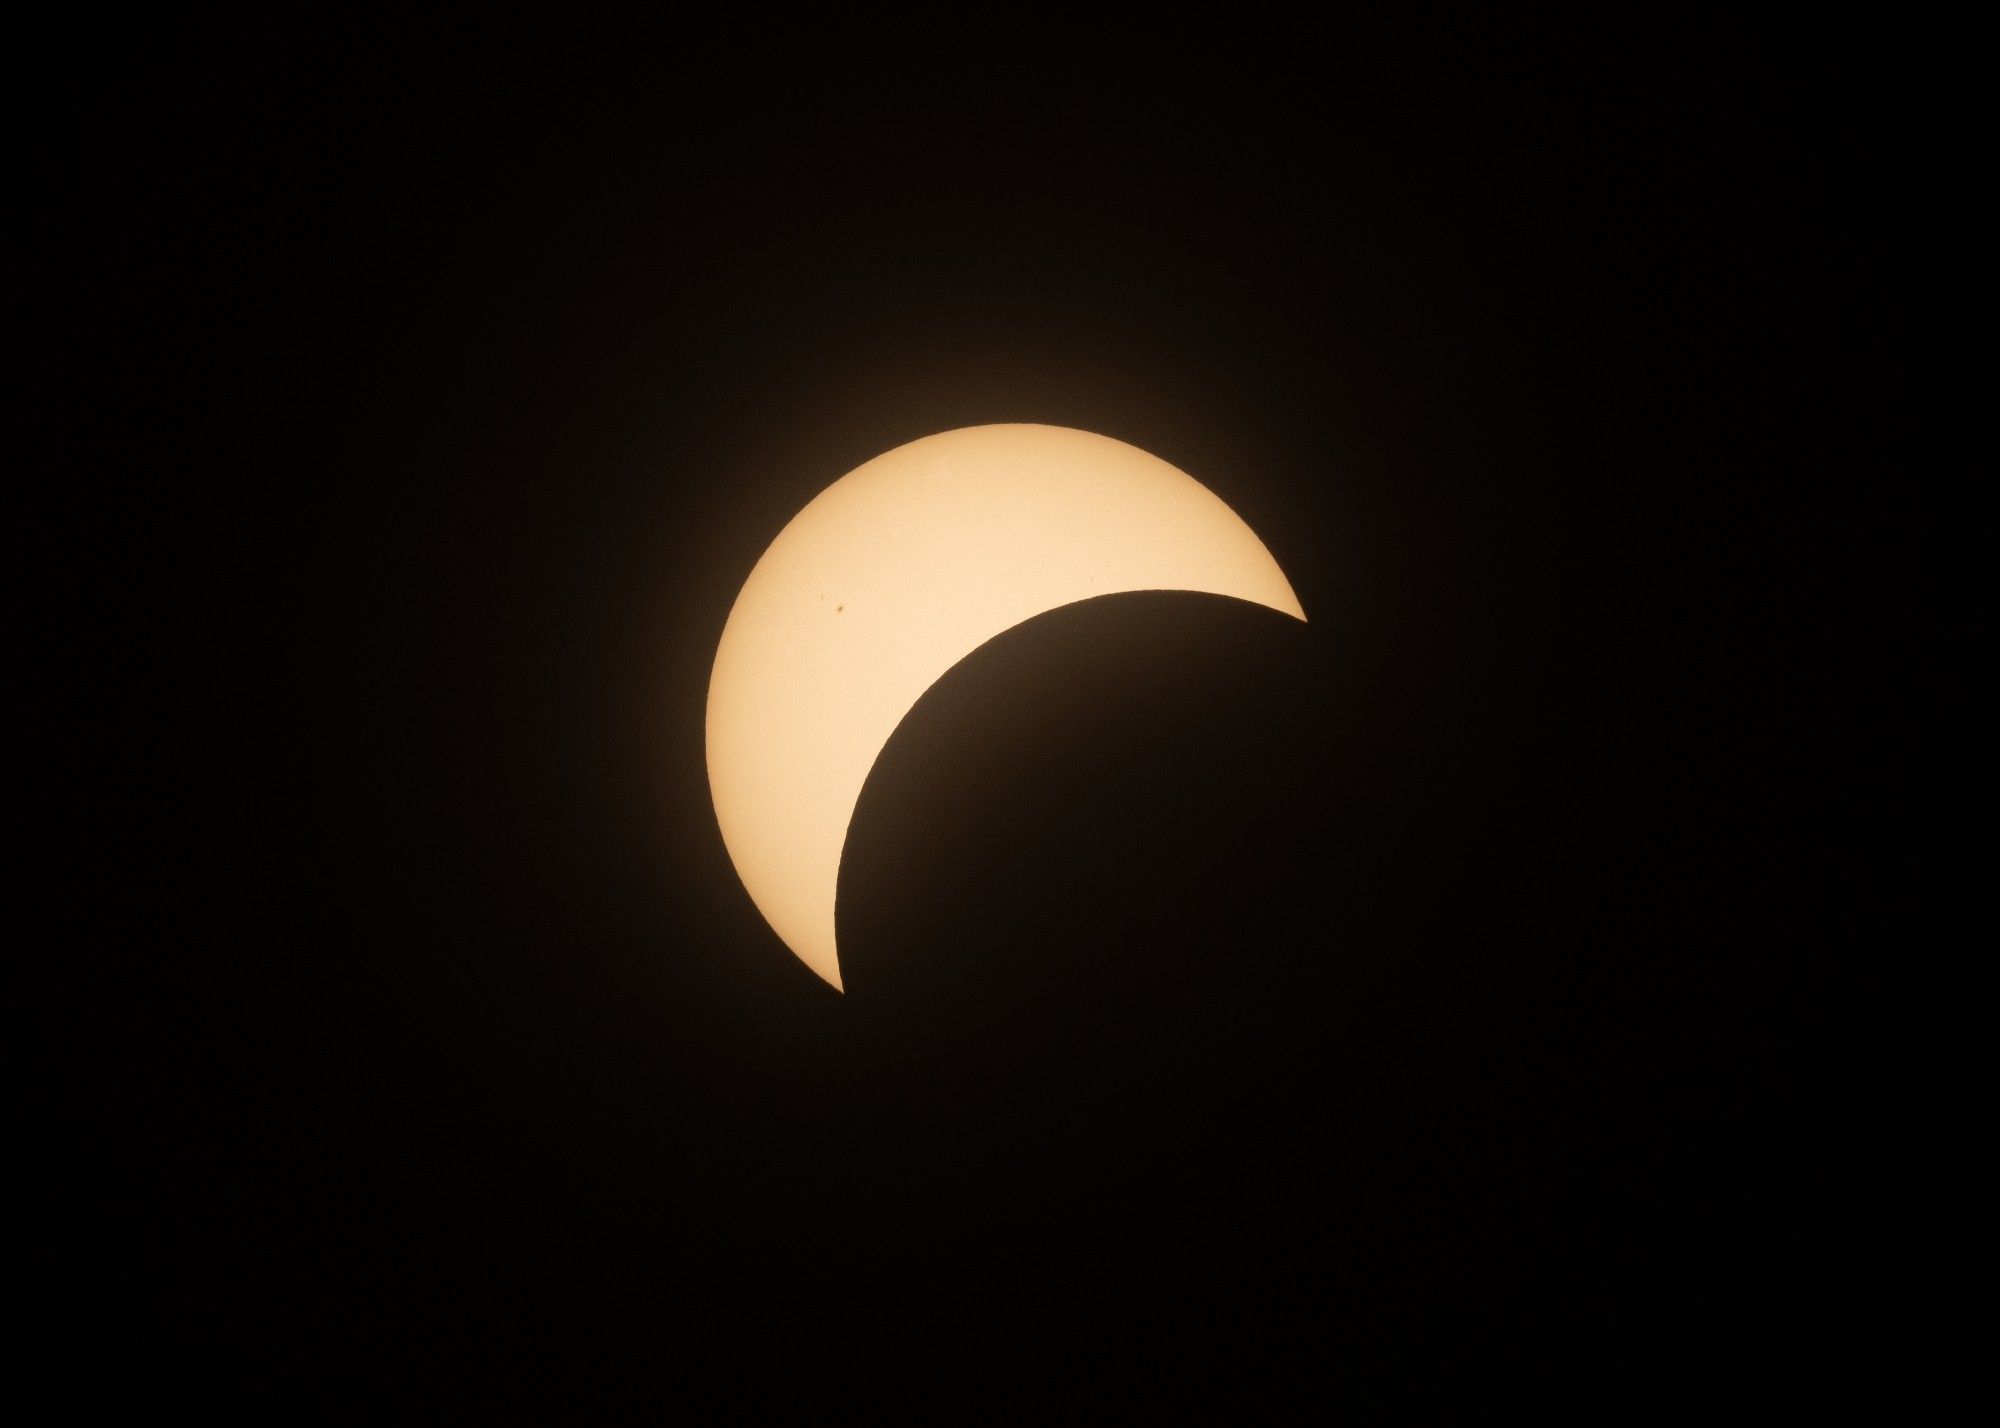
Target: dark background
[1448, 964]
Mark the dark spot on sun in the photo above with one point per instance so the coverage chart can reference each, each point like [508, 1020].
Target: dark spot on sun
[838, 608]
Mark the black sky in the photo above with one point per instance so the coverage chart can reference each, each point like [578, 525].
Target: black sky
[1440, 965]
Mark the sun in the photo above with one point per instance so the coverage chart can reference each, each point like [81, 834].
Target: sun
[894, 574]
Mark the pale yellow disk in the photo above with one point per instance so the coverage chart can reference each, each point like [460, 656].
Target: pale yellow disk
[895, 573]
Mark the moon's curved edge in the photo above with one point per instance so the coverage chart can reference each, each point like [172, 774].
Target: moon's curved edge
[1296, 612]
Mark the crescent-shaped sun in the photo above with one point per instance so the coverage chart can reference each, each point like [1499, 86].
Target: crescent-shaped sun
[894, 574]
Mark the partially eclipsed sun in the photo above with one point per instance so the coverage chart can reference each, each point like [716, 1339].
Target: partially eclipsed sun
[894, 574]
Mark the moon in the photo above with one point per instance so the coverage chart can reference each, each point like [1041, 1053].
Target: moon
[895, 573]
